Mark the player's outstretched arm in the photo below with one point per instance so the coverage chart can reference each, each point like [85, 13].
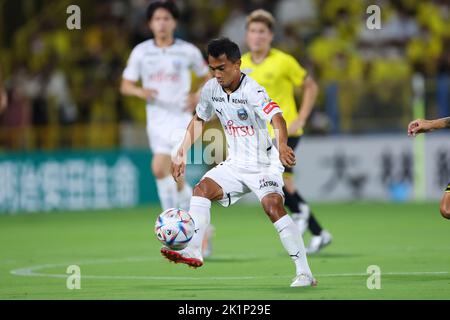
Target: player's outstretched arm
[310, 92]
[130, 88]
[193, 132]
[422, 126]
[287, 155]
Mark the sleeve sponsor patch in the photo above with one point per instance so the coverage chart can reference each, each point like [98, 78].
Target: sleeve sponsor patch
[269, 108]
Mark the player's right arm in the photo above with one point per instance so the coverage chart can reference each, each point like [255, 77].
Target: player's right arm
[131, 76]
[130, 88]
[204, 112]
[422, 126]
[193, 132]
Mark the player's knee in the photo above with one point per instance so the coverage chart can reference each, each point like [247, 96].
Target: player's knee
[445, 210]
[158, 170]
[159, 173]
[201, 190]
[273, 206]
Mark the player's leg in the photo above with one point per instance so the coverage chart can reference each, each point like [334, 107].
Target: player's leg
[166, 185]
[300, 210]
[204, 192]
[184, 194]
[301, 213]
[273, 204]
[178, 126]
[320, 237]
[445, 203]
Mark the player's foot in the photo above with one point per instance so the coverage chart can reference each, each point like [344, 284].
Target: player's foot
[185, 256]
[317, 243]
[304, 280]
[207, 241]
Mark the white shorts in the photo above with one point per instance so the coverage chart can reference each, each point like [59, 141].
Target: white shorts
[166, 130]
[236, 182]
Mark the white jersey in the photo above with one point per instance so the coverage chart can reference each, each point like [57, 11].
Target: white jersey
[244, 115]
[167, 70]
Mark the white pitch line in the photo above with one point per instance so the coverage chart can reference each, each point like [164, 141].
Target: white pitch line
[32, 272]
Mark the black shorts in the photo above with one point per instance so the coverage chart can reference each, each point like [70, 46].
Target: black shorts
[293, 143]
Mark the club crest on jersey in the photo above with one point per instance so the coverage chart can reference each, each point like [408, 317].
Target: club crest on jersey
[242, 114]
[177, 65]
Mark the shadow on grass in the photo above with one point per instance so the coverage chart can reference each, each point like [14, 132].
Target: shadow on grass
[335, 255]
[232, 259]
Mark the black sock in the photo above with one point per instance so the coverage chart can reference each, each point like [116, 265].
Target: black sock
[291, 201]
[314, 226]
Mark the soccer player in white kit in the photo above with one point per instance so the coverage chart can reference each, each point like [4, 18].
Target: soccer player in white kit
[253, 163]
[164, 66]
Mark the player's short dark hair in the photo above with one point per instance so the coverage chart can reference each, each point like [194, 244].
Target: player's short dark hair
[168, 5]
[218, 47]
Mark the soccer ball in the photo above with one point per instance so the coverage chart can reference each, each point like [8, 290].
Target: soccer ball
[174, 228]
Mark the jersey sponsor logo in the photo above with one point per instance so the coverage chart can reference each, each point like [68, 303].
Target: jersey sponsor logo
[242, 114]
[218, 99]
[265, 184]
[219, 112]
[162, 76]
[239, 131]
[239, 101]
[150, 53]
[269, 108]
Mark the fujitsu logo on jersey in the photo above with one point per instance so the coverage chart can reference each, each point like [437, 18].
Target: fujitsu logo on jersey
[239, 131]
[161, 76]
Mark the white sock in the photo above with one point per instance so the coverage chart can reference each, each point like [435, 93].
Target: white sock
[200, 212]
[167, 192]
[293, 243]
[184, 197]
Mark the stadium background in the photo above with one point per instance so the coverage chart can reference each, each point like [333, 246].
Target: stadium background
[63, 92]
[70, 141]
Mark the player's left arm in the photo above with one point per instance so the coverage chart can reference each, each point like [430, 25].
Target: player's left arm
[287, 155]
[310, 92]
[268, 110]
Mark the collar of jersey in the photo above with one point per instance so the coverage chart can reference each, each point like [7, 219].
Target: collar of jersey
[243, 75]
[175, 41]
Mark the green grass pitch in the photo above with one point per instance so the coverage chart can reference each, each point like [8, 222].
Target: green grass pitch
[119, 255]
